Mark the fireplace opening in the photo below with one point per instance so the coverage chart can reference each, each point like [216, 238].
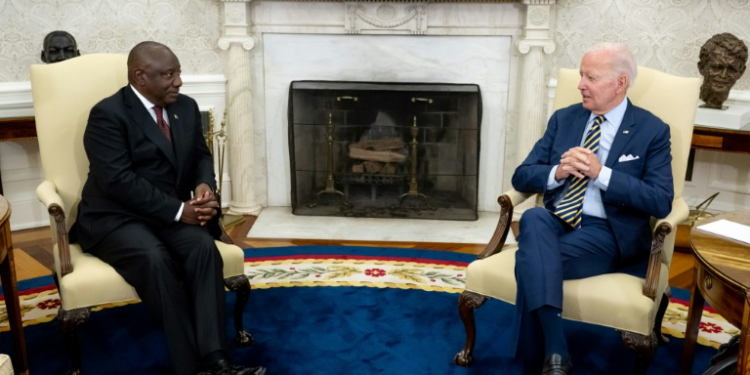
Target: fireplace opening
[385, 150]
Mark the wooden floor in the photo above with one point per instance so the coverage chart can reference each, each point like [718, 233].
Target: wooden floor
[33, 251]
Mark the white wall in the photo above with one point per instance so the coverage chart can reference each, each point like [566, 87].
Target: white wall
[189, 27]
[664, 35]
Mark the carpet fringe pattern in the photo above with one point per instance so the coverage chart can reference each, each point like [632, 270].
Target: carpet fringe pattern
[40, 305]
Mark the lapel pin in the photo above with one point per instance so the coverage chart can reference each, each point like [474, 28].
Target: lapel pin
[623, 132]
[175, 116]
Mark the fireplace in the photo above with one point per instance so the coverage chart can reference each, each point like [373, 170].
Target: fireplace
[387, 150]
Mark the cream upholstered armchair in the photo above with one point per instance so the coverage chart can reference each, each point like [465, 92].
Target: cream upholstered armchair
[64, 94]
[630, 304]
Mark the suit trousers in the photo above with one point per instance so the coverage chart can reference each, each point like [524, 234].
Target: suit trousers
[550, 251]
[178, 274]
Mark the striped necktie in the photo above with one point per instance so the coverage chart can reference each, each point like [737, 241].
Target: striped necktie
[162, 124]
[571, 205]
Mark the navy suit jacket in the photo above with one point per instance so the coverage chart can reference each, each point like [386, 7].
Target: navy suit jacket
[135, 173]
[638, 189]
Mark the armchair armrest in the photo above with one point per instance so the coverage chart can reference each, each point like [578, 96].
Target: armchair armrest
[47, 194]
[514, 197]
[224, 237]
[680, 212]
[507, 201]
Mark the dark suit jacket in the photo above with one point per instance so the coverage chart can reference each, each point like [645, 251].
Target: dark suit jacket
[638, 189]
[135, 173]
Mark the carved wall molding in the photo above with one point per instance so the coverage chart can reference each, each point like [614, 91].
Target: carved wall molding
[525, 45]
[235, 25]
[410, 17]
[247, 42]
[237, 40]
[391, 1]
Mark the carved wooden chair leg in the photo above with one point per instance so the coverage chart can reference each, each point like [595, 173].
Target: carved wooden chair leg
[241, 286]
[69, 322]
[644, 347]
[662, 339]
[466, 305]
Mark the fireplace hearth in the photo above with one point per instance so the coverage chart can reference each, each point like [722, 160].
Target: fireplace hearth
[385, 150]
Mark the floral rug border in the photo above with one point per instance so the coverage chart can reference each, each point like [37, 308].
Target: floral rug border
[40, 305]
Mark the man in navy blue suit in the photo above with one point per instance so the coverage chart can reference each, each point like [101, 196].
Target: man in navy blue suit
[604, 168]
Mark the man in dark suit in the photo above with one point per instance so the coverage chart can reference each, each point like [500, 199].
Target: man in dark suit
[604, 168]
[147, 156]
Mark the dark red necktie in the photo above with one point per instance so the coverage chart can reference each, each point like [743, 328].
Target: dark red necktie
[162, 124]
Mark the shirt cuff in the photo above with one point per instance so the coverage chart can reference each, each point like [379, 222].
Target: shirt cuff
[602, 182]
[552, 183]
[179, 212]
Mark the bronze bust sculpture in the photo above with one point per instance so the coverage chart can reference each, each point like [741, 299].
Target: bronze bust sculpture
[721, 63]
[58, 46]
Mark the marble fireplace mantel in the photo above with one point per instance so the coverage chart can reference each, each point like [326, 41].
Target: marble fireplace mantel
[501, 45]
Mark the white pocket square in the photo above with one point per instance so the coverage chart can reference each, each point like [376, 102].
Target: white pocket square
[630, 157]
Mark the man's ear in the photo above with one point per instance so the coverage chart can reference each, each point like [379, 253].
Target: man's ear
[78, 53]
[622, 83]
[138, 76]
[44, 57]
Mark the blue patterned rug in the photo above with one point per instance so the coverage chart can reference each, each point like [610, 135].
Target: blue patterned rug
[343, 310]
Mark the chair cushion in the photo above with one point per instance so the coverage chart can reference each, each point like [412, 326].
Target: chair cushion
[6, 367]
[233, 257]
[614, 300]
[92, 282]
[77, 289]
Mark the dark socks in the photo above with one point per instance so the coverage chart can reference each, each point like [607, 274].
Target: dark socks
[552, 325]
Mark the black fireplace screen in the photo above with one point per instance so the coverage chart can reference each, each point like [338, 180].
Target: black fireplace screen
[392, 150]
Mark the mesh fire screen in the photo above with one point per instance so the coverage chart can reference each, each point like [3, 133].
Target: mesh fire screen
[390, 150]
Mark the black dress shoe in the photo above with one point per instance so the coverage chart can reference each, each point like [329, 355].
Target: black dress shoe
[240, 370]
[556, 365]
[223, 367]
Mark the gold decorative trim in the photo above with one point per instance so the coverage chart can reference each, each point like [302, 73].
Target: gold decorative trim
[291, 284]
[354, 261]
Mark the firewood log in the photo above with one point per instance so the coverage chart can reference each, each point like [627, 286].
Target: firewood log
[373, 166]
[384, 156]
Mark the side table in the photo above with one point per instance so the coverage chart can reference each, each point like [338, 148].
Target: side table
[10, 290]
[722, 278]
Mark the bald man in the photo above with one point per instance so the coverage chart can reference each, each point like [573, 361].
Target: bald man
[147, 156]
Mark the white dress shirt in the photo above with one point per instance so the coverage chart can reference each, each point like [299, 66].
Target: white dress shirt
[150, 108]
[592, 199]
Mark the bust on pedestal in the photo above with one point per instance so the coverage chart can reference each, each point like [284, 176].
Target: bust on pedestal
[59, 46]
[722, 61]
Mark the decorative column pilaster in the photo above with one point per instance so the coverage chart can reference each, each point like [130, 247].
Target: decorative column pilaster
[240, 130]
[535, 44]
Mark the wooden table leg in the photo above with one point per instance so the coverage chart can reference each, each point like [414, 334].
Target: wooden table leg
[742, 357]
[10, 289]
[695, 313]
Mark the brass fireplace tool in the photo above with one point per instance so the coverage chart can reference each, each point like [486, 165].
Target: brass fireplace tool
[227, 220]
[413, 187]
[329, 189]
